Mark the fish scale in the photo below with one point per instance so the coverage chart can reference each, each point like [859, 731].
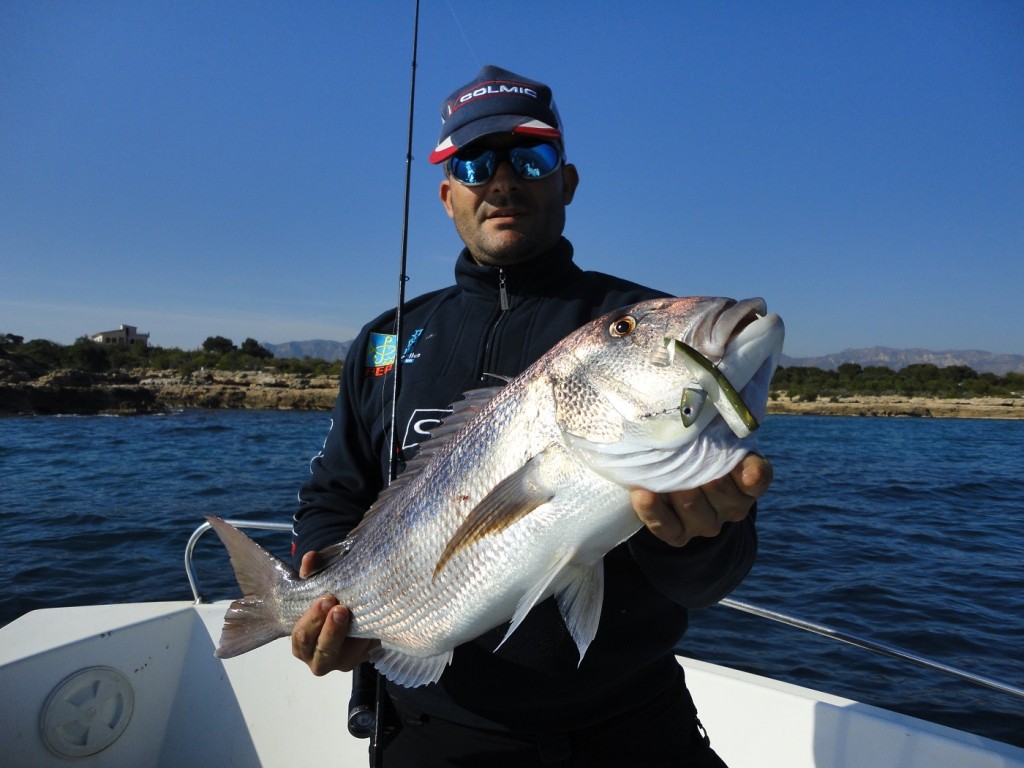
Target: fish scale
[521, 493]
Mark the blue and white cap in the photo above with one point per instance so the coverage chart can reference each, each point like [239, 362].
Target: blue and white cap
[496, 101]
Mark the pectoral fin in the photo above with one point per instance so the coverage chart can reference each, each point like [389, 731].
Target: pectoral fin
[509, 501]
[536, 594]
[579, 601]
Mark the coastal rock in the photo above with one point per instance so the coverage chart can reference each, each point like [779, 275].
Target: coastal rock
[141, 392]
[12, 372]
[76, 392]
[894, 405]
[148, 391]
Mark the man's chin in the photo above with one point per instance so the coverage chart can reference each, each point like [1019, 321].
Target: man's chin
[506, 248]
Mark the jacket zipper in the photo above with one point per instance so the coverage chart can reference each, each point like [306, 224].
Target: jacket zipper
[505, 305]
[502, 291]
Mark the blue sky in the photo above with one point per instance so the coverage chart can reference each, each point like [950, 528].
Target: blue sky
[237, 168]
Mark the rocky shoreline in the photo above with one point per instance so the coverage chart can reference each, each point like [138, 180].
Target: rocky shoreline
[895, 405]
[145, 391]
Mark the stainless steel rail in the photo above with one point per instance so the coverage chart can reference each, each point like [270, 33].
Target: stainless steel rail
[883, 649]
[190, 569]
[872, 645]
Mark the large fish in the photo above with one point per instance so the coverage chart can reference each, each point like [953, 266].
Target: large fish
[522, 492]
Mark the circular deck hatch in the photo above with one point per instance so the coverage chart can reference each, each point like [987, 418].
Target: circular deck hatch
[87, 712]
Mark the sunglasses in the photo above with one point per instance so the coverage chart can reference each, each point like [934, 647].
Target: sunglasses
[530, 162]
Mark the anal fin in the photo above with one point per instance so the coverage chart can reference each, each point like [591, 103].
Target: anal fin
[409, 671]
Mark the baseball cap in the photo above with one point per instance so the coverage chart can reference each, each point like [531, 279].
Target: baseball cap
[496, 101]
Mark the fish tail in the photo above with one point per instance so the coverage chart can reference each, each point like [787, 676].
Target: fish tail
[256, 618]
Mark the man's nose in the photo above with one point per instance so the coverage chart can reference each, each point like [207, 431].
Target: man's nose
[504, 175]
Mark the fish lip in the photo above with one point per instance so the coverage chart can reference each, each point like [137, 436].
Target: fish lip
[734, 319]
[759, 342]
[724, 326]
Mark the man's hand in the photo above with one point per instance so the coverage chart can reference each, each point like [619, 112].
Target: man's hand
[678, 517]
[320, 636]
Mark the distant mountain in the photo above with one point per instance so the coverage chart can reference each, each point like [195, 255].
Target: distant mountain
[325, 350]
[982, 362]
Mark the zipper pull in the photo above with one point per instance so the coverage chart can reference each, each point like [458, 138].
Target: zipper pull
[502, 292]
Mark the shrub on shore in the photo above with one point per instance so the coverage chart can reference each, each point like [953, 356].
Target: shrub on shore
[918, 380]
[40, 357]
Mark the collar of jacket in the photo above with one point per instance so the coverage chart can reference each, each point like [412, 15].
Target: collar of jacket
[542, 275]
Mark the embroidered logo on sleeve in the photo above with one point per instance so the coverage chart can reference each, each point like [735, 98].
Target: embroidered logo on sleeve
[381, 353]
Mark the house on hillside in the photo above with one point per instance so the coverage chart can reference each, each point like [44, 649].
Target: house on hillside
[126, 334]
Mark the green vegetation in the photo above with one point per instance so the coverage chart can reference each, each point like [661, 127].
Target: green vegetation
[919, 380]
[217, 353]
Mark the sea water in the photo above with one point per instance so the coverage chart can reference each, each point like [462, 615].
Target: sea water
[907, 531]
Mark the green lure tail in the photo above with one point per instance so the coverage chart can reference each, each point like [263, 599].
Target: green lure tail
[723, 394]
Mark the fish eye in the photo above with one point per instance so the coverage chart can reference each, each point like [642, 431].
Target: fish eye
[623, 326]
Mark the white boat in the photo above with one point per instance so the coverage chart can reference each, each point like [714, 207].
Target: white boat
[138, 685]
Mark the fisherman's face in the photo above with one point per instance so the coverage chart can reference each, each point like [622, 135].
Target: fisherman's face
[509, 220]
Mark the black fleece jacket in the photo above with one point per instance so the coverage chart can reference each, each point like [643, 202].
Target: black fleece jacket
[499, 321]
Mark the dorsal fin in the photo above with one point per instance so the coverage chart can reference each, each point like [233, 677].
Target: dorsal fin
[463, 411]
[330, 554]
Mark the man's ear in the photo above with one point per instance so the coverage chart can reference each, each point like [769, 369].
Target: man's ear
[445, 193]
[570, 180]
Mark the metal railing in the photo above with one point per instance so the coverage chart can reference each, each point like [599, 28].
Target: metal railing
[883, 649]
[190, 568]
[824, 630]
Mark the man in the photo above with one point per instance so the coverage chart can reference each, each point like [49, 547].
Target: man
[517, 292]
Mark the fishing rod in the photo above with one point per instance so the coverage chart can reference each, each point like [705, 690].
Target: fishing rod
[403, 278]
[369, 695]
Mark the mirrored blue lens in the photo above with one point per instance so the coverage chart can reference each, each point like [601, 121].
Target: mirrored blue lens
[474, 170]
[529, 162]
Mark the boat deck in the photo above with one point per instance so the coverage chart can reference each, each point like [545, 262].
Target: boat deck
[138, 684]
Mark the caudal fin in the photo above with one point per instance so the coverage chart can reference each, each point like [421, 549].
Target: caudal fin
[254, 619]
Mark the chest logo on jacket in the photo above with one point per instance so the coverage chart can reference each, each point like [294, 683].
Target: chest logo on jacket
[382, 352]
[408, 356]
[420, 423]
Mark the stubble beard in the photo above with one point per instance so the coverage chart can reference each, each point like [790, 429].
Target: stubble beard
[509, 246]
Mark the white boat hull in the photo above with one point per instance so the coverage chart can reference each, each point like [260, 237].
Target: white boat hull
[149, 692]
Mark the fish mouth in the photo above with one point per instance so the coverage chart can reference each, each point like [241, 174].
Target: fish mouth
[733, 320]
[743, 345]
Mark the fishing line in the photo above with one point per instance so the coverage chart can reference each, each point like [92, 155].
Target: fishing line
[463, 33]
